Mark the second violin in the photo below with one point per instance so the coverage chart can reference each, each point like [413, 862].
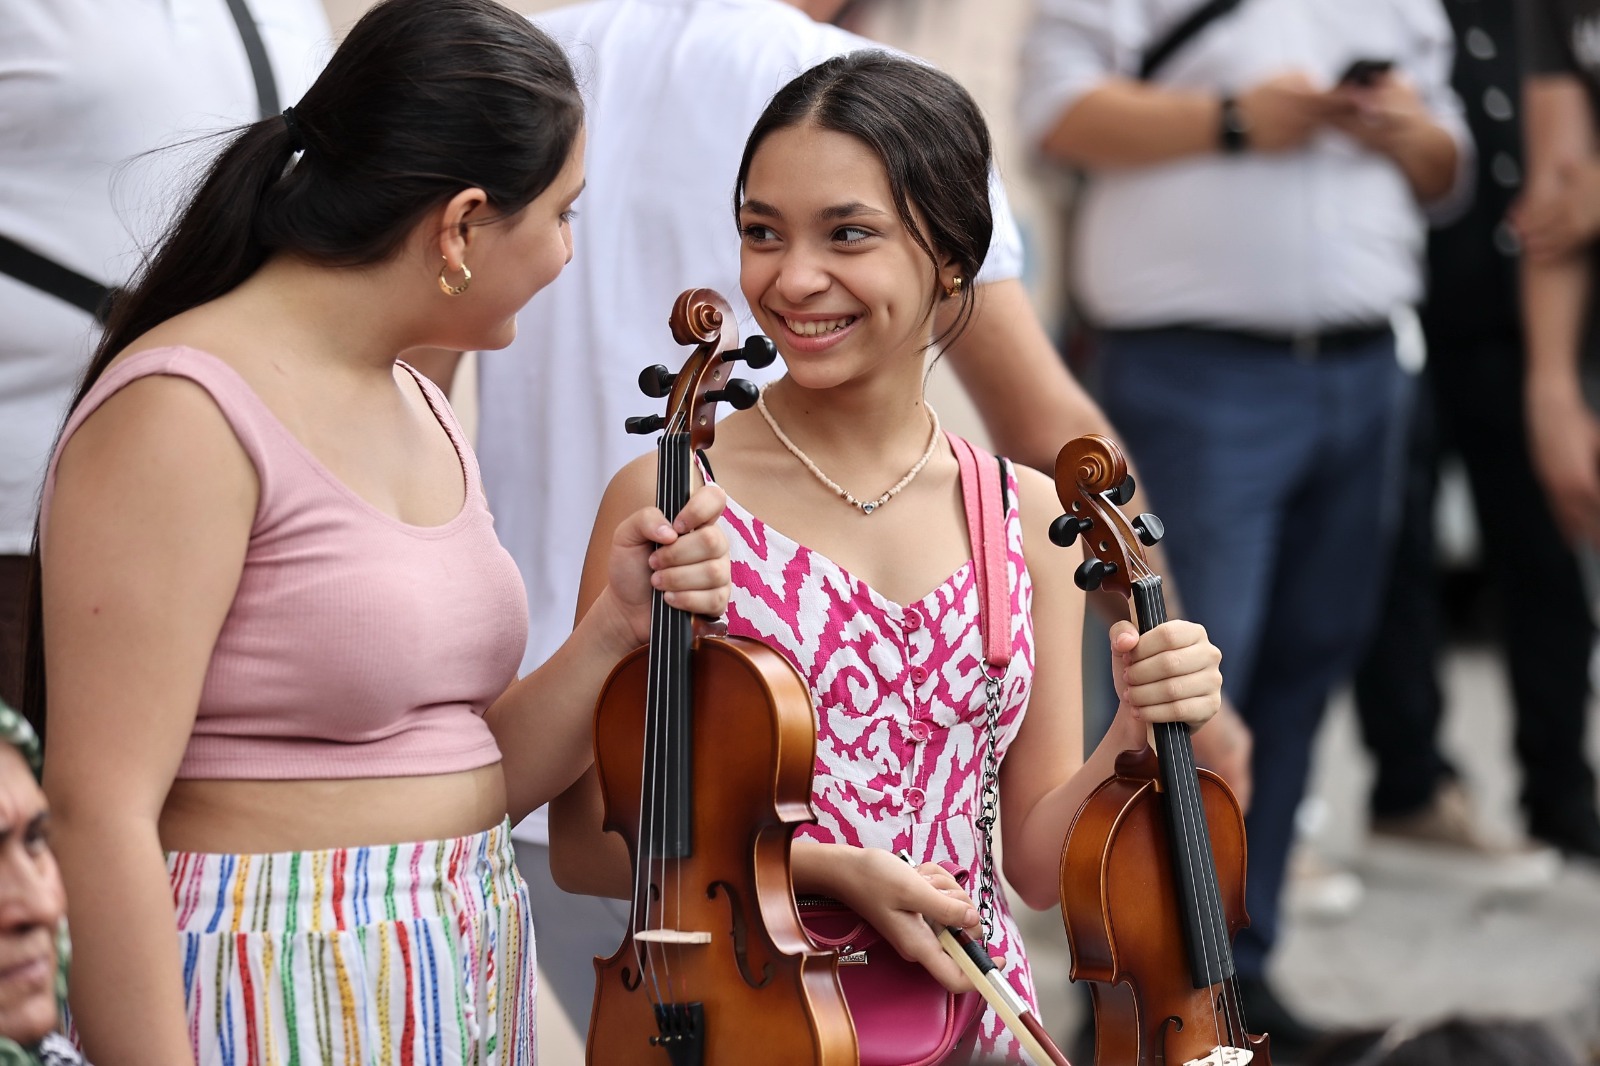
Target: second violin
[1152, 872]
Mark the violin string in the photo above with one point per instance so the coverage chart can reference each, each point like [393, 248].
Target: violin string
[1211, 935]
[1185, 818]
[666, 625]
[644, 958]
[677, 433]
[1190, 822]
[680, 715]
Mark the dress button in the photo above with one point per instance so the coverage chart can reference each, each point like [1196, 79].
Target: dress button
[919, 674]
[913, 619]
[915, 798]
[920, 731]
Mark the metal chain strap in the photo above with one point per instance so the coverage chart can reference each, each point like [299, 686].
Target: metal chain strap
[989, 811]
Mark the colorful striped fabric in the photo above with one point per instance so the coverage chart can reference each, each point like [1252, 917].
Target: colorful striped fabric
[405, 955]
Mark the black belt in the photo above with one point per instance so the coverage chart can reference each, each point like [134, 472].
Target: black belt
[1308, 344]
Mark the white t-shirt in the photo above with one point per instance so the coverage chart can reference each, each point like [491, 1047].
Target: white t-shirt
[86, 87]
[673, 88]
[1325, 236]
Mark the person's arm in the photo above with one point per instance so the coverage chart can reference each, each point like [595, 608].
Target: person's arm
[544, 723]
[1390, 117]
[1123, 123]
[584, 859]
[1170, 673]
[1031, 405]
[1029, 401]
[148, 530]
[1564, 435]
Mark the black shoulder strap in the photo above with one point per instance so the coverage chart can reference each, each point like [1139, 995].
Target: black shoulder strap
[49, 276]
[1178, 36]
[256, 51]
[64, 283]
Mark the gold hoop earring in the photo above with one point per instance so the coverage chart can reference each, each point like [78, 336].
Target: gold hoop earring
[954, 288]
[454, 290]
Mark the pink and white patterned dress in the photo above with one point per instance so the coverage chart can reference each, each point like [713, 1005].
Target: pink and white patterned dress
[899, 696]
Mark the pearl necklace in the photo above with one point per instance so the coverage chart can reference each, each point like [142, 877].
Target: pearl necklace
[866, 507]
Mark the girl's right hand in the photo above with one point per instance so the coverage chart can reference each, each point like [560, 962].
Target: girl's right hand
[901, 901]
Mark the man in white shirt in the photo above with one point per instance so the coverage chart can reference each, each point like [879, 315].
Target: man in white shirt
[87, 88]
[673, 88]
[1252, 221]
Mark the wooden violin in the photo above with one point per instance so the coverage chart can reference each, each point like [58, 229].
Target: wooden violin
[1153, 868]
[704, 746]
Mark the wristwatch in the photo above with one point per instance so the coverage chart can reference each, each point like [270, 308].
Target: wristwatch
[1233, 133]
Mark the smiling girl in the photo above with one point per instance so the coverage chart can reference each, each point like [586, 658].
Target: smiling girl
[863, 207]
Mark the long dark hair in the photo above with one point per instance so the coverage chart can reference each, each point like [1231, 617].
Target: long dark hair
[423, 99]
[927, 131]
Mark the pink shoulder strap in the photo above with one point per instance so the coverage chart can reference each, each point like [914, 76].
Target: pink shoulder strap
[980, 492]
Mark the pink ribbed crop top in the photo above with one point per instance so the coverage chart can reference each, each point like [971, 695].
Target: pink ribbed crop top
[357, 645]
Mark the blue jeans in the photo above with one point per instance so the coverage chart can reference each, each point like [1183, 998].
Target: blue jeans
[1277, 479]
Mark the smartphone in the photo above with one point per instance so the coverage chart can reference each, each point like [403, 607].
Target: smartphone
[1365, 72]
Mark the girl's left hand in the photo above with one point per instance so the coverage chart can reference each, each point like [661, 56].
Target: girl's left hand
[687, 560]
[1169, 674]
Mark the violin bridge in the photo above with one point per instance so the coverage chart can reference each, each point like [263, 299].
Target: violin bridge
[672, 936]
[1224, 1056]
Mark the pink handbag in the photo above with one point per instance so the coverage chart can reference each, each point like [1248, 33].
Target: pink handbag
[902, 1015]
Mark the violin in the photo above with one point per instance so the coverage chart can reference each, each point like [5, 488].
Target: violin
[1153, 867]
[704, 746]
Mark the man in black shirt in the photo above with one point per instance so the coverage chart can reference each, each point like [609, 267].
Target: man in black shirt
[1558, 222]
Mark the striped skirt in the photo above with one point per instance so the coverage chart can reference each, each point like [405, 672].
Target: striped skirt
[405, 955]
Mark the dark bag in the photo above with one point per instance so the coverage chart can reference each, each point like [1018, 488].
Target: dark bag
[84, 293]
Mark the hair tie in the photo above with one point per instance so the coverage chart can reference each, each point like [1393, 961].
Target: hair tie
[297, 142]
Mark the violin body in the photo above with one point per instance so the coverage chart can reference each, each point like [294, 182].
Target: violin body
[704, 747]
[769, 995]
[1121, 912]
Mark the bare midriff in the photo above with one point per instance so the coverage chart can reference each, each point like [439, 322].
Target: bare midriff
[252, 817]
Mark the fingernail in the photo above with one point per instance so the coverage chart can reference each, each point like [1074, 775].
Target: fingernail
[665, 531]
[655, 579]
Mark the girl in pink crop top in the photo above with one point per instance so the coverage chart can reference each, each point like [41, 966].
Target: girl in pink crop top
[355, 645]
[279, 635]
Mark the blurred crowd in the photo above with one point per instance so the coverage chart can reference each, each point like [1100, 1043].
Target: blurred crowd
[1309, 250]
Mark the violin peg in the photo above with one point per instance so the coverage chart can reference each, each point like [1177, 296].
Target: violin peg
[656, 381]
[1092, 573]
[1150, 529]
[644, 424]
[1123, 493]
[758, 351]
[739, 394]
[1064, 530]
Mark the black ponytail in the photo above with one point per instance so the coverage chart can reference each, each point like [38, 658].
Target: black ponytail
[423, 99]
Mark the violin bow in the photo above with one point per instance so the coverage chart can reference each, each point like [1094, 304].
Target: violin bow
[992, 986]
[1012, 1008]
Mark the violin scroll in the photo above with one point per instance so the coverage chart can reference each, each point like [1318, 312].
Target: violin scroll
[701, 317]
[1092, 482]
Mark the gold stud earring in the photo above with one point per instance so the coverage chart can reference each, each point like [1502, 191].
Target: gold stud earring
[454, 290]
[954, 289]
